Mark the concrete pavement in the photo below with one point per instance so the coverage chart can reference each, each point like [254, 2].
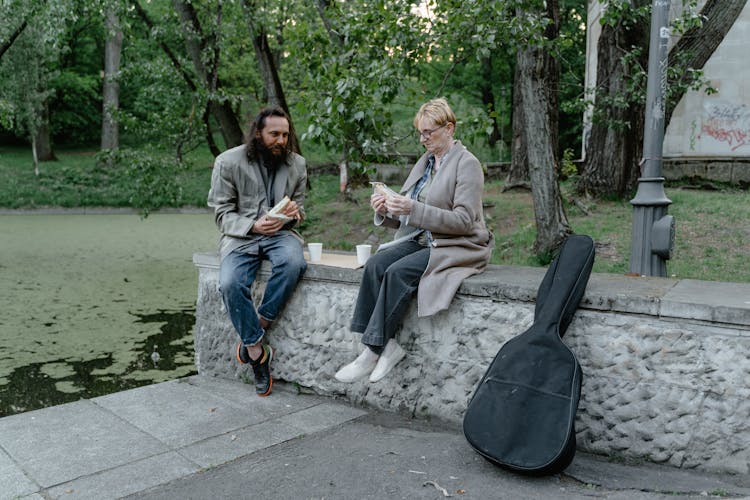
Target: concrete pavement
[203, 437]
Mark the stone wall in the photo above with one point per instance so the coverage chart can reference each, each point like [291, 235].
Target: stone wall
[666, 362]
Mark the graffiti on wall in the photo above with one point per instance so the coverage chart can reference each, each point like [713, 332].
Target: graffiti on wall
[727, 123]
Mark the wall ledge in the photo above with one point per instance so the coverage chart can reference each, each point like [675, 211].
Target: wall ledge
[716, 302]
[665, 361]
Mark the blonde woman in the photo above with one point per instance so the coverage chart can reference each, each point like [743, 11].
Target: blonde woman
[441, 239]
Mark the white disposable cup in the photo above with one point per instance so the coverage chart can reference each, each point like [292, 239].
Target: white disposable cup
[363, 253]
[316, 251]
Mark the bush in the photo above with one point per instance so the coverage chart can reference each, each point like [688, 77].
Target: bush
[153, 178]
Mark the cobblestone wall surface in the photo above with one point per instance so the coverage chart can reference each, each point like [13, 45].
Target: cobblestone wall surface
[670, 390]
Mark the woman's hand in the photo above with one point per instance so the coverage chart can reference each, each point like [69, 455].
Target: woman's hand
[377, 202]
[399, 205]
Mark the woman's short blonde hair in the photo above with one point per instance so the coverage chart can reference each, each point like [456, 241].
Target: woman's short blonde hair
[436, 110]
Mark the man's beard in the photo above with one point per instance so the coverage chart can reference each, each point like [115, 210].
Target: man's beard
[273, 156]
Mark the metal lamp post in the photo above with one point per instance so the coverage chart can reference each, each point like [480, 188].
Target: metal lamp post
[653, 230]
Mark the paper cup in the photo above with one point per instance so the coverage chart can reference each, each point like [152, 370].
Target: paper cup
[316, 251]
[363, 253]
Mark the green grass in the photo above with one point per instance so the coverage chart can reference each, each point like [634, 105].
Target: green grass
[77, 180]
[712, 235]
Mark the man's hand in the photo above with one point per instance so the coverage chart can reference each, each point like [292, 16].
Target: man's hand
[267, 225]
[292, 210]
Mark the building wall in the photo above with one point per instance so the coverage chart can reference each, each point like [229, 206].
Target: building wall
[717, 125]
[702, 126]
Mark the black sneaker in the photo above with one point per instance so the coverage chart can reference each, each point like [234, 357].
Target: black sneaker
[242, 356]
[262, 371]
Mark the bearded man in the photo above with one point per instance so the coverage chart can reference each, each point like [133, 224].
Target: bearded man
[247, 182]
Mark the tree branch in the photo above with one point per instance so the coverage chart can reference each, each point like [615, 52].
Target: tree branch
[171, 55]
[7, 44]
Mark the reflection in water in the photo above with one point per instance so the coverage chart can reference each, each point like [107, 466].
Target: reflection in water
[29, 388]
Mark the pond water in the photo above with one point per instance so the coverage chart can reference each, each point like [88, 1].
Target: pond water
[88, 299]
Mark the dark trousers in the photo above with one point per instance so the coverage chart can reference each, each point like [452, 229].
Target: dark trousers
[389, 281]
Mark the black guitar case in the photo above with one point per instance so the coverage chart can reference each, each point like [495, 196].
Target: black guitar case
[522, 414]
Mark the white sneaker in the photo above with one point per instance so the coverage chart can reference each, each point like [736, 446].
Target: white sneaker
[358, 368]
[392, 354]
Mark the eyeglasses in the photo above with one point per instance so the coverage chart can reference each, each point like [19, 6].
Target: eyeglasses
[428, 133]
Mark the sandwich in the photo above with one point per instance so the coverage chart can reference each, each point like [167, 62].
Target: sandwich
[381, 188]
[277, 212]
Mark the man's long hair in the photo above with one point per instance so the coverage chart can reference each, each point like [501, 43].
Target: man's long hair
[254, 144]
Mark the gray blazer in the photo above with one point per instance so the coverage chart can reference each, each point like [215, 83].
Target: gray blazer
[238, 195]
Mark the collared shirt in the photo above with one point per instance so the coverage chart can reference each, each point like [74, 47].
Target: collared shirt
[419, 193]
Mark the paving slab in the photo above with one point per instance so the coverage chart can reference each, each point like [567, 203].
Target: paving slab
[320, 417]
[126, 479]
[183, 412]
[306, 414]
[283, 398]
[61, 443]
[179, 413]
[239, 443]
[13, 482]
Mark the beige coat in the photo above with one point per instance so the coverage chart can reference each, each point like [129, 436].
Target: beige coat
[453, 213]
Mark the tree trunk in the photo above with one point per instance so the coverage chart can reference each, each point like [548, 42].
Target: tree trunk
[266, 61]
[195, 40]
[273, 89]
[34, 156]
[42, 140]
[210, 133]
[615, 143]
[698, 44]
[488, 99]
[538, 79]
[322, 6]
[111, 88]
[518, 175]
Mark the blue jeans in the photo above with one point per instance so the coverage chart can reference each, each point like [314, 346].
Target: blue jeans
[237, 274]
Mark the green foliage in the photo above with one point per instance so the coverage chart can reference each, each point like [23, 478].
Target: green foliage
[32, 65]
[369, 49]
[75, 96]
[6, 114]
[568, 169]
[152, 177]
[626, 13]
